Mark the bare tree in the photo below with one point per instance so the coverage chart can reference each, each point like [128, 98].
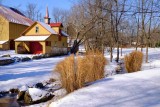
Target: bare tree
[99, 23]
[60, 15]
[82, 22]
[33, 12]
[117, 12]
[147, 12]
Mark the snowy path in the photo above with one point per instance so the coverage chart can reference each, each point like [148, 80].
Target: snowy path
[31, 72]
[140, 89]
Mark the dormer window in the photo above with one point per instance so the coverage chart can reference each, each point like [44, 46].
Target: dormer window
[37, 29]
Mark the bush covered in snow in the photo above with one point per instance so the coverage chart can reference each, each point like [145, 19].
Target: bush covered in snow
[7, 55]
[25, 59]
[6, 61]
[133, 61]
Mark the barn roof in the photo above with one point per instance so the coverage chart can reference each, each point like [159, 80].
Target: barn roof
[14, 16]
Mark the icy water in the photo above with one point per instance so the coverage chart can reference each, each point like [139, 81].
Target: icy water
[9, 100]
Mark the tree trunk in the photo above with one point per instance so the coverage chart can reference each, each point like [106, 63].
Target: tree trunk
[141, 48]
[75, 47]
[111, 53]
[121, 47]
[147, 51]
[117, 60]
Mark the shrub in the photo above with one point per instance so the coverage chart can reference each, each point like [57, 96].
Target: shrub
[94, 64]
[75, 72]
[66, 70]
[7, 55]
[36, 57]
[25, 59]
[6, 61]
[133, 61]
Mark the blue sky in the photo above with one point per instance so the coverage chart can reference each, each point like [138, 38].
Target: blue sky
[41, 4]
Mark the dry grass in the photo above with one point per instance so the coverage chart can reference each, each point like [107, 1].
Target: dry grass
[133, 61]
[66, 70]
[94, 63]
[75, 72]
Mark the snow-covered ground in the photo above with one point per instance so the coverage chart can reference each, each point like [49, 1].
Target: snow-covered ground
[13, 54]
[140, 89]
[132, 90]
[26, 73]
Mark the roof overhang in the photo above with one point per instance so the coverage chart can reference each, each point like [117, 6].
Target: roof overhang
[3, 42]
[32, 38]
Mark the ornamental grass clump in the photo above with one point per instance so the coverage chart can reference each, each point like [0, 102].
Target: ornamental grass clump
[66, 70]
[76, 71]
[133, 61]
[95, 64]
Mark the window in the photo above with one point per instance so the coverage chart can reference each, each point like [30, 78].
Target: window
[37, 29]
[55, 44]
[48, 43]
[63, 44]
[59, 37]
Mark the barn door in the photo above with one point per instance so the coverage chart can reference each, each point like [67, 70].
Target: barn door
[35, 48]
[12, 45]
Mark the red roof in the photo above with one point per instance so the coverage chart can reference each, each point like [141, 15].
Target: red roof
[56, 24]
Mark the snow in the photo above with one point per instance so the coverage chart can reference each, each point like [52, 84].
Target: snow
[4, 58]
[47, 27]
[139, 89]
[27, 73]
[23, 88]
[2, 42]
[32, 38]
[60, 92]
[64, 33]
[37, 94]
[13, 54]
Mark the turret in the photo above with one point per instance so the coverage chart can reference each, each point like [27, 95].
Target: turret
[46, 18]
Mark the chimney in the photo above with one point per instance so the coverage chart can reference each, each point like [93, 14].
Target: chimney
[46, 18]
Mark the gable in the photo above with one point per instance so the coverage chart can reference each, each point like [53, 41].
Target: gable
[36, 29]
[56, 29]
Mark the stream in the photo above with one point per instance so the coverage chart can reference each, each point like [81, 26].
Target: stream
[9, 100]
